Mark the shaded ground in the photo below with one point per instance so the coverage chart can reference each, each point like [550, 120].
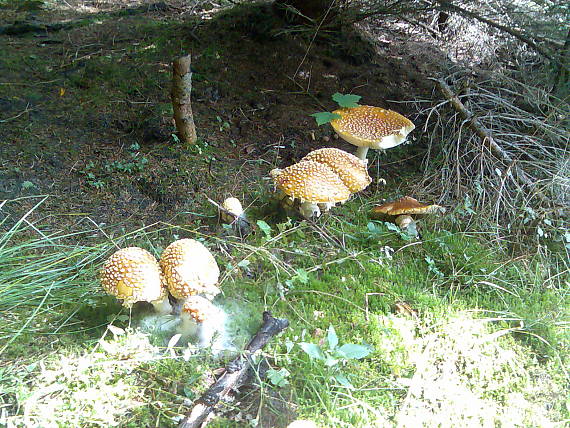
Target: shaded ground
[86, 116]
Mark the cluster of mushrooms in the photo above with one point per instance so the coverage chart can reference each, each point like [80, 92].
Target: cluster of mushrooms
[328, 176]
[186, 275]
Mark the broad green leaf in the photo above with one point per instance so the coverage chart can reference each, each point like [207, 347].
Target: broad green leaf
[355, 352]
[265, 228]
[343, 380]
[332, 338]
[313, 351]
[348, 100]
[278, 377]
[325, 117]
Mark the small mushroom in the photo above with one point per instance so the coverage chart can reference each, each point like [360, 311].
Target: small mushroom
[315, 185]
[371, 127]
[351, 170]
[190, 269]
[233, 208]
[133, 275]
[232, 213]
[403, 211]
[201, 319]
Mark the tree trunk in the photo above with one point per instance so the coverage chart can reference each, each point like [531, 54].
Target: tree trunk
[181, 102]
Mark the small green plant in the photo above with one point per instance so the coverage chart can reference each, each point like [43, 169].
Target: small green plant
[335, 357]
[224, 125]
[90, 177]
[378, 228]
[278, 377]
[136, 163]
[343, 100]
[26, 185]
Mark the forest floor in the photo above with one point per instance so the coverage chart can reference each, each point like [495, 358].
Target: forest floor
[92, 105]
[85, 117]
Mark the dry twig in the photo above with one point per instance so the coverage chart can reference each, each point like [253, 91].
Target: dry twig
[234, 372]
[488, 140]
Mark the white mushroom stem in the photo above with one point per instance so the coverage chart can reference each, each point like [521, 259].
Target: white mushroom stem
[309, 210]
[403, 221]
[162, 307]
[361, 152]
[188, 326]
[204, 332]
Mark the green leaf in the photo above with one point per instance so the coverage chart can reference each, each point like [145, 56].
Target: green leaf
[265, 228]
[332, 338]
[347, 101]
[355, 352]
[313, 351]
[325, 117]
[278, 377]
[302, 276]
[343, 380]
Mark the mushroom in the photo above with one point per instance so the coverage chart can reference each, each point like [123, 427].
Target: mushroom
[315, 185]
[189, 269]
[133, 275]
[202, 319]
[232, 213]
[371, 127]
[403, 211]
[351, 170]
[233, 208]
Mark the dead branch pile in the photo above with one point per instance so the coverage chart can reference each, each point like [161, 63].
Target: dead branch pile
[505, 145]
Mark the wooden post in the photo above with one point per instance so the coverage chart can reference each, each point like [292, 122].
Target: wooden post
[181, 103]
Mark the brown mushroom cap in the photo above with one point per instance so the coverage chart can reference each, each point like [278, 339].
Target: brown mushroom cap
[374, 127]
[351, 170]
[133, 275]
[311, 181]
[199, 308]
[189, 269]
[406, 206]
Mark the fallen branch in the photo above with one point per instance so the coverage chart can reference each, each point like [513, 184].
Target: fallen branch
[181, 99]
[488, 141]
[234, 372]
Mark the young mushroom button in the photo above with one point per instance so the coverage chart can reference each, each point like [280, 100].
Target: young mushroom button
[199, 317]
[312, 183]
[351, 170]
[371, 127]
[189, 269]
[133, 275]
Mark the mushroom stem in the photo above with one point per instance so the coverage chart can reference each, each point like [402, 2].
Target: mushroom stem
[361, 152]
[309, 210]
[162, 307]
[188, 326]
[403, 221]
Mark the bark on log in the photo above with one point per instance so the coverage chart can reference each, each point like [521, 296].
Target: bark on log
[488, 140]
[234, 372]
[181, 100]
